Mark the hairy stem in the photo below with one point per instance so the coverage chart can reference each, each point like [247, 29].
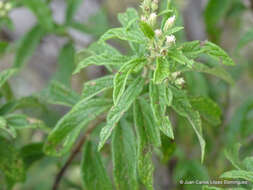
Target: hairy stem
[75, 151]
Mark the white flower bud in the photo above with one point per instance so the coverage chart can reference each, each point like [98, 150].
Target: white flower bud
[158, 33]
[152, 19]
[8, 6]
[169, 23]
[180, 81]
[171, 39]
[175, 75]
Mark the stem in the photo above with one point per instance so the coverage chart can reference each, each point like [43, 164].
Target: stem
[75, 151]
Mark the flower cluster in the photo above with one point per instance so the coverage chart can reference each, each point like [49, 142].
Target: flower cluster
[160, 44]
[4, 8]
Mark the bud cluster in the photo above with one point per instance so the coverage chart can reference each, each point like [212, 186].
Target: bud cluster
[177, 80]
[4, 8]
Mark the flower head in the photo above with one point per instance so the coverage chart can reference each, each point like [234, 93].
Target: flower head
[152, 19]
[169, 23]
[158, 33]
[171, 39]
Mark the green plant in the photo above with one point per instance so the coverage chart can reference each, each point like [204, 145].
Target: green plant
[133, 105]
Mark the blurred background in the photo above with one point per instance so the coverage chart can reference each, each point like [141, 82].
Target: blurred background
[227, 23]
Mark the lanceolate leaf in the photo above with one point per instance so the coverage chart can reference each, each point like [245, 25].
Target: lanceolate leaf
[57, 93]
[162, 70]
[183, 107]
[179, 57]
[93, 171]
[121, 77]
[118, 110]
[72, 7]
[232, 154]
[147, 134]
[27, 45]
[94, 87]
[129, 18]
[42, 12]
[78, 118]
[5, 75]
[238, 174]
[124, 157]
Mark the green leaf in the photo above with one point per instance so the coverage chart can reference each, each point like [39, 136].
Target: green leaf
[11, 163]
[118, 110]
[183, 107]
[27, 45]
[173, 30]
[66, 64]
[147, 30]
[207, 108]
[158, 108]
[179, 57]
[238, 174]
[120, 79]
[95, 87]
[4, 126]
[72, 7]
[232, 154]
[5, 75]
[123, 34]
[248, 163]
[147, 134]
[192, 49]
[129, 18]
[57, 93]
[162, 70]
[245, 39]
[43, 13]
[124, 157]
[93, 171]
[68, 127]
[216, 52]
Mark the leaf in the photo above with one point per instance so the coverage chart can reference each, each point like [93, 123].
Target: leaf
[124, 157]
[5, 75]
[162, 70]
[207, 108]
[42, 12]
[10, 130]
[158, 108]
[179, 57]
[232, 154]
[183, 107]
[72, 7]
[216, 52]
[57, 93]
[248, 163]
[120, 79]
[11, 164]
[27, 45]
[238, 174]
[123, 34]
[173, 30]
[95, 87]
[129, 18]
[245, 39]
[93, 171]
[62, 137]
[65, 64]
[104, 59]
[118, 110]
[147, 30]
[31, 153]
[192, 49]
[147, 134]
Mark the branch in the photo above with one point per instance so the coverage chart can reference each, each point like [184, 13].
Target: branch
[76, 150]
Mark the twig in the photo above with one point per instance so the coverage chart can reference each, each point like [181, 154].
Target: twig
[75, 151]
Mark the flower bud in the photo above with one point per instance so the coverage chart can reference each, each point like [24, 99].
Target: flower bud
[158, 33]
[171, 39]
[169, 23]
[175, 75]
[152, 19]
[154, 6]
[180, 81]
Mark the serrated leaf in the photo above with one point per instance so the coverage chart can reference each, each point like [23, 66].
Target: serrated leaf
[126, 19]
[208, 109]
[162, 70]
[5, 75]
[232, 154]
[147, 30]
[158, 108]
[192, 49]
[93, 172]
[120, 79]
[117, 111]
[59, 141]
[123, 34]
[72, 7]
[147, 134]
[27, 45]
[11, 164]
[124, 157]
[238, 174]
[217, 52]
[183, 107]
[66, 64]
[57, 93]
[95, 87]
[173, 30]
[41, 10]
[179, 57]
